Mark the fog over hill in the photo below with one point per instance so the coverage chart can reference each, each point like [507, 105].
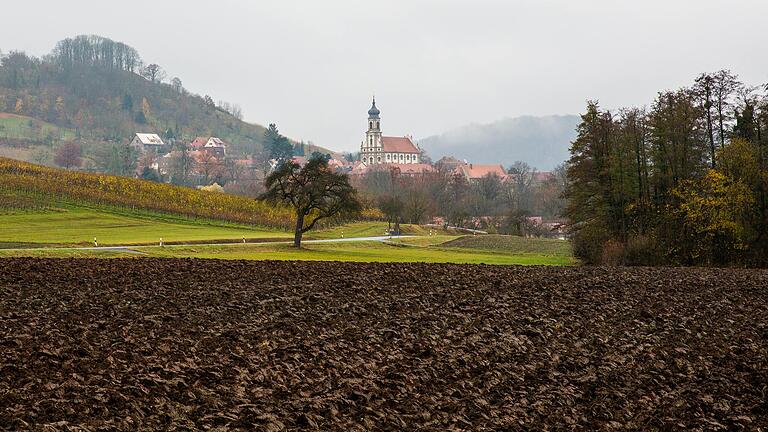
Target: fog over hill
[542, 142]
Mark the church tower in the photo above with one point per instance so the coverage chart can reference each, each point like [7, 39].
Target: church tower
[371, 150]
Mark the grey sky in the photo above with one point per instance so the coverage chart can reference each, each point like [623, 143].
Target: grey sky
[311, 66]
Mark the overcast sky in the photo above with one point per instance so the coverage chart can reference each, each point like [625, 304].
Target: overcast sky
[312, 66]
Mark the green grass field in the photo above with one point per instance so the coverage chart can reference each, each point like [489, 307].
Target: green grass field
[492, 242]
[22, 127]
[364, 251]
[78, 226]
[372, 229]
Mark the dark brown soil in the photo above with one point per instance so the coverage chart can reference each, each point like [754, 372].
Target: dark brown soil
[192, 344]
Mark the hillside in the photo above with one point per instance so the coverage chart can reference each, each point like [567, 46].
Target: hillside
[542, 142]
[99, 92]
[33, 188]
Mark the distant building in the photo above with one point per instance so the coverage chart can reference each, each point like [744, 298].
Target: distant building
[448, 164]
[377, 149]
[474, 172]
[147, 142]
[212, 145]
[412, 169]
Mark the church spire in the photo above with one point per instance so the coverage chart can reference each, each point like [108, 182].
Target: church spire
[374, 112]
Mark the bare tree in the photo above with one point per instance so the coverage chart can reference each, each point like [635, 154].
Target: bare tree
[725, 85]
[518, 190]
[176, 85]
[153, 72]
[68, 155]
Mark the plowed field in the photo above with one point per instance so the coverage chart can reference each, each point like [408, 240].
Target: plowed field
[144, 344]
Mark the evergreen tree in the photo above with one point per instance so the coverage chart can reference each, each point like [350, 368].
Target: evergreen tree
[278, 147]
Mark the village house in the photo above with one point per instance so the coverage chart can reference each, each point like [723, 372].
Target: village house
[212, 145]
[145, 142]
[377, 149]
[474, 172]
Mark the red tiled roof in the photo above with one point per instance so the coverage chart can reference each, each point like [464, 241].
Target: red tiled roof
[475, 171]
[398, 145]
[199, 142]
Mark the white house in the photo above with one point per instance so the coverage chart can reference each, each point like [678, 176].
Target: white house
[147, 141]
[378, 149]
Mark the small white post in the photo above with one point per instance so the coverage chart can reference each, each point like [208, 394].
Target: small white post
[161, 242]
[342, 234]
[243, 239]
[95, 243]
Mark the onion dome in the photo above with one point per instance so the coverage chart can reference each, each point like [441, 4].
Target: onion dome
[374, 112]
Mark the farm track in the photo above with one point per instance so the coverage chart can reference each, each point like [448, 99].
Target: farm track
[178, 344]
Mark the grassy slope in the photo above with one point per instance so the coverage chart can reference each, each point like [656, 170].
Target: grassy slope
[18, 127]
[74, 225]
[513, 243]
[78, 226]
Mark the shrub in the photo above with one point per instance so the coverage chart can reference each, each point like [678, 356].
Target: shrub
[588, 241]
[636, 251]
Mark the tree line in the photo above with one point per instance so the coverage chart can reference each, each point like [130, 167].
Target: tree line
[492, 203]
[683, 182]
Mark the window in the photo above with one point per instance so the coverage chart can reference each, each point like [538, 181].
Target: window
[379, 159]
[370, 125]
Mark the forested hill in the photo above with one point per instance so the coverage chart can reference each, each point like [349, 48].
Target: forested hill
[99, 91]
[542, 142]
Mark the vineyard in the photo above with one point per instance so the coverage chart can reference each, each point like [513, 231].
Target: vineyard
[25, 186]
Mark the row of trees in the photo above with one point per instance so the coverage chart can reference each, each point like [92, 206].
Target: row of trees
[683, 182]
[91, 50]
[490, 203]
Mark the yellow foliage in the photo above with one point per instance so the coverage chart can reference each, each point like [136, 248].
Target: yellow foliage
[145, 108]
[128, 192]
[212, 188]
[711, 210]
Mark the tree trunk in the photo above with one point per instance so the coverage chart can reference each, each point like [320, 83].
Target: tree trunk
[298, 232]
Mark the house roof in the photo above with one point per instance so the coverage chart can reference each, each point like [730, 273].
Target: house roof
[215, 142]
[418, 168]
[149, 139]
[476, 171]
[199, 142]
[398, 145]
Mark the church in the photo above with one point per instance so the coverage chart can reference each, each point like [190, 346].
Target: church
[378, 149]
